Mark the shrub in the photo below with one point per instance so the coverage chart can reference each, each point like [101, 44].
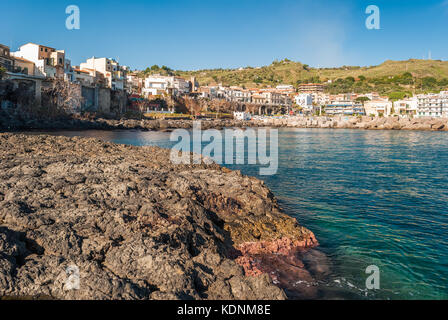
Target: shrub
[2, 72]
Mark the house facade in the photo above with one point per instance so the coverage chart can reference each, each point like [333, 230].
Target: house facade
[304, 101]
[6, 61]
[156, 85]
[134, 84]
[311, 88]
[347, 108]
[83, 77]
[239, 95]
[48, 61]
[113, 73]
[378, 108]
[159, 85]
[406, 107]
[433, 105]
[24, 66]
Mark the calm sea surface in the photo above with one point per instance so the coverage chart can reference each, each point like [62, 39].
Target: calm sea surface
[371, 197]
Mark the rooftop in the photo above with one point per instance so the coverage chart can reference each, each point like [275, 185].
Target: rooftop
[22, 59]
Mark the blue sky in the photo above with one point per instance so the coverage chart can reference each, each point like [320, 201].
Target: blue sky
[197, 34]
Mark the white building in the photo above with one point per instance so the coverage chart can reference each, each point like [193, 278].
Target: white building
[305, 101]
[239, 95]
[271, 98]
[181, 86]
[285, 87]
[158, 85]
[134, 83]
[408, 107]
[155, 85]
[242, 116]
[378, 108]
[321, 99]
[433, 105]
[208, 92]
[222, 92]
[83, 77]
[48, 61]
[371, 95]
[348, 108]
[68, 70]
[114, 74]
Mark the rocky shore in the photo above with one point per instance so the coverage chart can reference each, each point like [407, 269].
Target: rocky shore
[17, 124]
[365, 123]
[138, 227]
[14, 124]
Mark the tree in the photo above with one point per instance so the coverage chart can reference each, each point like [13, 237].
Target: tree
[443, 82]
[362, 99]
[350, 80]
[258, 80]
[429, 83]
[64, 97]
[142, 105]
[397, 95]
[2, 72]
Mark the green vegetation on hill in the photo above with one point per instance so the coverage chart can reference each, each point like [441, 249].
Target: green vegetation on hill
[155, 69]
[397, 87]
[390, 77]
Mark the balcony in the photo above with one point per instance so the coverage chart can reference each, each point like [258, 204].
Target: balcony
[14, 69]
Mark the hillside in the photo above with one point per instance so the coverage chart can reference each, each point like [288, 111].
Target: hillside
[421, 75]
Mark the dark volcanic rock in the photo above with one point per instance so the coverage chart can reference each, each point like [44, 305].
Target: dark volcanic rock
[136, 226]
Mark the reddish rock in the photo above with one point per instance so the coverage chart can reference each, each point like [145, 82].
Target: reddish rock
[281, 259]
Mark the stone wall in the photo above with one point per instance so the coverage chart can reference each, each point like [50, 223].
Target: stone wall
[104, 100]
[19, 93]
[90, 99]
[118, 102]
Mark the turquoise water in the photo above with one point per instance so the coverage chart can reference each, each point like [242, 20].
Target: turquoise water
[371, 197]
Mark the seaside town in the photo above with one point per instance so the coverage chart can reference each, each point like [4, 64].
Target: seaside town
[215, 158]
[105, 86]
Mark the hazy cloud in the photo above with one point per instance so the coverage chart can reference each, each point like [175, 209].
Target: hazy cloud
[322, 35]
[444, 4]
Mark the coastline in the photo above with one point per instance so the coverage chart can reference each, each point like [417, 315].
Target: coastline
[322, 122]
[138, 227]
